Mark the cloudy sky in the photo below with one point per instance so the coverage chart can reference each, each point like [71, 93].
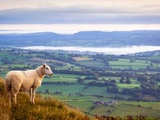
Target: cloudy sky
[81, 12]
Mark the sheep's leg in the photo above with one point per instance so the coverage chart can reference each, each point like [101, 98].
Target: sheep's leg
[8, 89]
[30, 93]
[33, 94]
[15, 98]
[10, 97]
[15, 92]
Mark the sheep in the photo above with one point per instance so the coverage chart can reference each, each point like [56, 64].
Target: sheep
[22, 81]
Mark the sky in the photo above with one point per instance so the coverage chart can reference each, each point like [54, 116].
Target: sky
[76, 15]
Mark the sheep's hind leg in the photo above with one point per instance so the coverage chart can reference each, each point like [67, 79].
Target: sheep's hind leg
[15, 92]
[9, 96]
[8, 89]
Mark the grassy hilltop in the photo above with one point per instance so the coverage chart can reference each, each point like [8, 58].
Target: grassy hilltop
[44, 109]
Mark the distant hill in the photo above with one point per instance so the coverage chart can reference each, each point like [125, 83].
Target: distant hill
[86, 38]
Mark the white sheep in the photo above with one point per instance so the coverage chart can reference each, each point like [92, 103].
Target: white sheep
[21, 81]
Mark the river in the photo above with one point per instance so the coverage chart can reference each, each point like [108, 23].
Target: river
[104, 50]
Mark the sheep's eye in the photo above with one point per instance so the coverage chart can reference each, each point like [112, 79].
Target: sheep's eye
[47, 68]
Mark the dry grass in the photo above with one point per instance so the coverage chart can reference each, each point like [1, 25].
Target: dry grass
[42, 60]
[81, 58]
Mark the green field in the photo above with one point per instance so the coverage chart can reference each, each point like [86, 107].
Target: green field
[67, 84]
[63, 88]
[127, 109]
[91, 63]
[127, 85]
[126, 64]
[62, 78]
[122, 108]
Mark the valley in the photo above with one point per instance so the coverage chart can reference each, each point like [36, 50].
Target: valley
[81, 80]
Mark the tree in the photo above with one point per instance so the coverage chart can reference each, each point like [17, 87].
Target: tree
[72, 68]
[142, 79]
[113, 81]
[96, 75]
[151, 64]
[121, 80]
[112, 89]
[46, 91]
[80, 80]
[128, 80]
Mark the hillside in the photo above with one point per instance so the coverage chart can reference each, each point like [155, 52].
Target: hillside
[44, 109]
[86, 38]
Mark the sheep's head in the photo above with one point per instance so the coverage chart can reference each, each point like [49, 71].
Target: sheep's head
[47, 70]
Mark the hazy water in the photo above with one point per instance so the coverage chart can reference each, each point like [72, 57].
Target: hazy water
[104, 50]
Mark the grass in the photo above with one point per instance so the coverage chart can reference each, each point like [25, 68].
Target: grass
[37, 59]
[61, 78]
[71, 98]
[68, 66]
[121, 86]
[91, 63]
[111, 78]
[102, 110]
[153, 105]
[94, 90]
[81, 58]
[122, 110]
[63, 88]
[81, 105]
[126, 64]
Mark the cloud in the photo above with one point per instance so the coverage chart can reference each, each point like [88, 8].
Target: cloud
[80, 12]
[77, 15]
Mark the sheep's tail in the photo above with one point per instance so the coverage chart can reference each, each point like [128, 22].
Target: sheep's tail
[7, 85]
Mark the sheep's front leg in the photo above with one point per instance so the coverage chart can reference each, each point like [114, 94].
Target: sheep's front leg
[33, 94]
[30, 94]
[15, 98]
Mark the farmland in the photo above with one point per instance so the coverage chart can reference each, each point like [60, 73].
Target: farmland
[80, 80]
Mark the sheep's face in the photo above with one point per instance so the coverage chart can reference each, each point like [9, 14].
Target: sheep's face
[47, 70]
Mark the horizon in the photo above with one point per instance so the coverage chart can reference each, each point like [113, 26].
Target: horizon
[73, 28]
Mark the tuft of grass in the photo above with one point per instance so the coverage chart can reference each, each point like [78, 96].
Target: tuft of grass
[4, 106]
[43, 109]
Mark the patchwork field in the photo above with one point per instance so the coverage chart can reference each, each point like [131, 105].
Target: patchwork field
[121, 109]
[127, 64]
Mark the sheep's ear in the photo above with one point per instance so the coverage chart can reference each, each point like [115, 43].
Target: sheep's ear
[44, 65]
